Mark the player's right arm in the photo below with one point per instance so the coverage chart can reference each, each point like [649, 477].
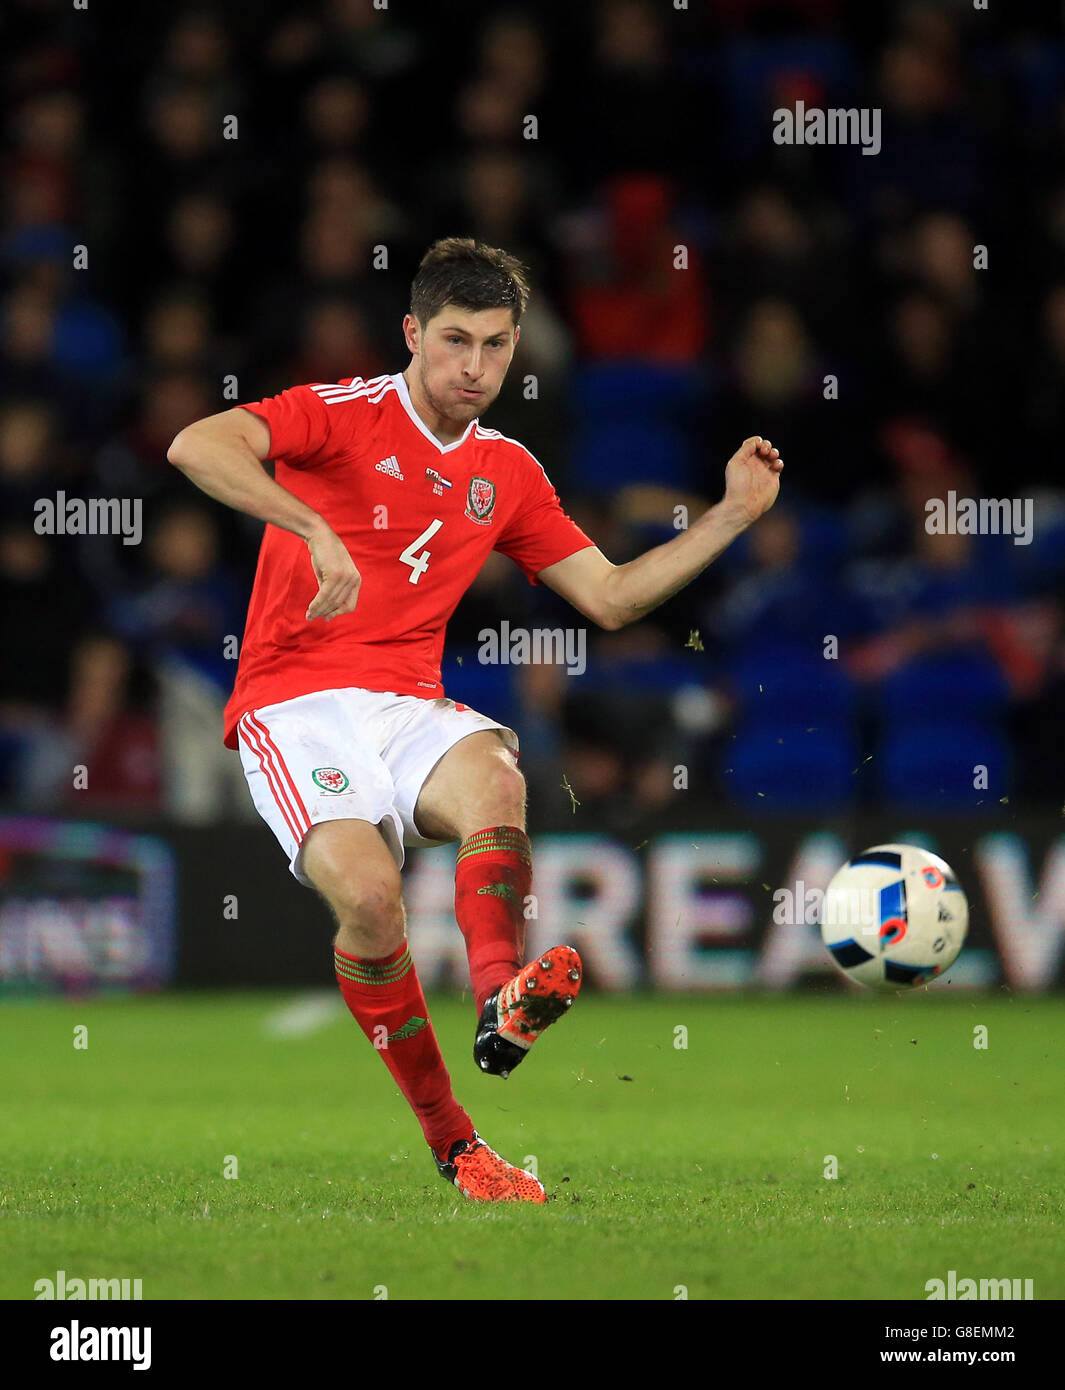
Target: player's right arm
[223, 455]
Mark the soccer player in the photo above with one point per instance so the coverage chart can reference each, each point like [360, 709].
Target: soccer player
[387, 498]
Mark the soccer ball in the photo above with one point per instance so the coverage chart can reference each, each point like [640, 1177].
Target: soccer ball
[893, 916]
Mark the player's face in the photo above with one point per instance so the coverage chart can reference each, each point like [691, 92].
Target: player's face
[461, 357]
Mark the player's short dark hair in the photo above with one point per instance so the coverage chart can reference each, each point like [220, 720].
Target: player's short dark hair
[461, 271]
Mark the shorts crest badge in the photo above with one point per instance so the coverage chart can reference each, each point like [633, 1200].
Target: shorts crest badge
[330, 779]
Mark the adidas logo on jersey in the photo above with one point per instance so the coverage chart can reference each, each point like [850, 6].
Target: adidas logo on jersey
[391, 467]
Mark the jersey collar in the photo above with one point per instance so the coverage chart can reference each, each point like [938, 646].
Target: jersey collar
[403, 392]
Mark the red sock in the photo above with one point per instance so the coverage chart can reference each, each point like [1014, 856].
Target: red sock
[389, 1006]
[493, 876]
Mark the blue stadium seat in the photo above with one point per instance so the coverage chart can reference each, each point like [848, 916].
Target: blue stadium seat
[792, 687]
[955, 686]
[795, 747]
[790, 769]
[638, 390]
[613, 456]
[634, 422]
[929, 765]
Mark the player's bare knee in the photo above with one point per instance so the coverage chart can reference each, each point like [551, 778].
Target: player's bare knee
[500, 799]
[371, 908]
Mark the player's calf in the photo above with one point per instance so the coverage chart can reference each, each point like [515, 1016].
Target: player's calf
[348, 862]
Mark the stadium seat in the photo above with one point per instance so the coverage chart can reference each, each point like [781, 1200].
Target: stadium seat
[613, 456]
[635, 423]
[955, 686]
[931, 765]
[790, 687]
[791, 768]
[794, 747]
[636, 390]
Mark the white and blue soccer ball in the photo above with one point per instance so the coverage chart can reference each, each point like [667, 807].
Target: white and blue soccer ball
[894, 916]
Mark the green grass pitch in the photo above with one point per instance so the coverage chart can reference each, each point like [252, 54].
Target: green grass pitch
[669, 1169]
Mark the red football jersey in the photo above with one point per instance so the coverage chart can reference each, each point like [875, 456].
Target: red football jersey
[418, 517]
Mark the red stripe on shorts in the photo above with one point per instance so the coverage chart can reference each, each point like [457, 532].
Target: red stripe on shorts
[252, 740]
[281, 767]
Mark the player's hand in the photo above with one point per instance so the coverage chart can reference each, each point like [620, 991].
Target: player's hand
[338, 579]
[752, 477]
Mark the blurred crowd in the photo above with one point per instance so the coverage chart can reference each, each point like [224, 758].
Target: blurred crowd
[196, 206]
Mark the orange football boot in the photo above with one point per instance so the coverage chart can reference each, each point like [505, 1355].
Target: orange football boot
[480, 1174]
[515, 1016]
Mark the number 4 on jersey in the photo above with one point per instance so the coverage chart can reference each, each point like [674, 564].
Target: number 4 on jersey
[419, 563]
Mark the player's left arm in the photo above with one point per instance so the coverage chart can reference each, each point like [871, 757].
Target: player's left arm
[613, 596]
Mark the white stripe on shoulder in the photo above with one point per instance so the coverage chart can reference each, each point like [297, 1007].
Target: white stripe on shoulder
[483, 433]
[373, 390]
[327, 388]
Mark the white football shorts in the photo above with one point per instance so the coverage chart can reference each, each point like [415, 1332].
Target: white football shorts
[350, 755]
